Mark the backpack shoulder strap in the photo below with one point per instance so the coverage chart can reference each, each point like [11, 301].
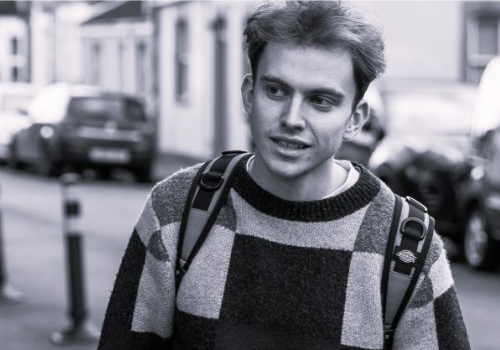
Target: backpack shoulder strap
[409, 240]
[207, 195]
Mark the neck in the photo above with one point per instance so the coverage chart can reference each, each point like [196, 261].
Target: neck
[313, 185]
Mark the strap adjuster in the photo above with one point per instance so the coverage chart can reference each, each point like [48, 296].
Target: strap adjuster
[211, 180]
[413, 228]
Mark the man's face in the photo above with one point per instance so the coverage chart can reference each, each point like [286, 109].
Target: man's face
[300, 108]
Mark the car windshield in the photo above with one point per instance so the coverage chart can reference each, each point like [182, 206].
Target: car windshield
[105, 108]
[430, 112]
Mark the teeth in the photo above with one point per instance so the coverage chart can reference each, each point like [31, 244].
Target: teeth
[290, 145]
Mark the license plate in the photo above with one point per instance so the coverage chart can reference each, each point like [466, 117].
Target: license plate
[109, 155]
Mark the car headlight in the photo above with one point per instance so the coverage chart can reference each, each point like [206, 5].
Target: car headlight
[46, 131]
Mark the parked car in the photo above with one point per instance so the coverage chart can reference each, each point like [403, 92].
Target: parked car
[362, 146]
[85, 126]
[480, 204]
[14, 101]
[480, 192]
[423, 153]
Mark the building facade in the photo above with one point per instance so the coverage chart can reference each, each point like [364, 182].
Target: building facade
[116, 49]
[200, 65]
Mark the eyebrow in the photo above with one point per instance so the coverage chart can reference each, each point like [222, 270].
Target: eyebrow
[326, 91]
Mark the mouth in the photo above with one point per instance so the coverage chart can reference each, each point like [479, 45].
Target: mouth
[290, 144]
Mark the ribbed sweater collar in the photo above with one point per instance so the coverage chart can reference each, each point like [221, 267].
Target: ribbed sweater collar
[332, 208]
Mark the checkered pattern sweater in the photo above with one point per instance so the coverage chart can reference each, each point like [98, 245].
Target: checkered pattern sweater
[274, 275]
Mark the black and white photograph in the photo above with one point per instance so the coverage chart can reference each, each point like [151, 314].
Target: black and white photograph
[250, 175]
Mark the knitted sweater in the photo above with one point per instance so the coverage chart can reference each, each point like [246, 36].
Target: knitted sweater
[274, 275]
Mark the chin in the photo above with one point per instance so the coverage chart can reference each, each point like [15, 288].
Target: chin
[286, 170]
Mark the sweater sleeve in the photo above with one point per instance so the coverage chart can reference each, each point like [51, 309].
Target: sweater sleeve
[139, 315]
[433, 319]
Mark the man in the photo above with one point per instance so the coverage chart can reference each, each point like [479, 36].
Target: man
[294, 260]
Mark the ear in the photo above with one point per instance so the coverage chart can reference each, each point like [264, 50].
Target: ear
[358, 118]
[247, 93]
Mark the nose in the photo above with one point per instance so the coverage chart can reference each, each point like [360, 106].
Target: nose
[292, 117]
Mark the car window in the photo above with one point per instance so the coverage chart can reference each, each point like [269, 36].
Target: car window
[495, 152]
[105, 108]
[492, 165]
[482, 145]
[429, 112]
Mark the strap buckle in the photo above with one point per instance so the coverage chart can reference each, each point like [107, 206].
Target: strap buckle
[416, 232]
[211, 180]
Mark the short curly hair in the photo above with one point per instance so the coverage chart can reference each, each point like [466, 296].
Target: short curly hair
[323, 24]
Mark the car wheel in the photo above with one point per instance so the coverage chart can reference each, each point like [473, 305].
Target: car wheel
[479, 248]
[13, 160]
[50, 162]
[143, 175]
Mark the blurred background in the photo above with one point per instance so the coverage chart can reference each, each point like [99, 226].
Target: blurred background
[126, 92]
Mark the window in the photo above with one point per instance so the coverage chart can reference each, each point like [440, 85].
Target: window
[14, 43]
[15, 73]
[247, 69]
[483, 40]
[492, 162]
[181, 60]
[105, 109]
[14, 48]
[141, 67]
[488, 36]
[122, 66]
[95, 61]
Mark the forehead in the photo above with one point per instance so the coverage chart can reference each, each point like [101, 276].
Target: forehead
[308, 67]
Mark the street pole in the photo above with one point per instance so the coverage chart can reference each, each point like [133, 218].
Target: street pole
[80, 330]
[8, 294]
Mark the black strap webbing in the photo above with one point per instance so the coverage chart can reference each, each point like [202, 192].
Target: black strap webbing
[207, 195]
[390, 244]
[403, 263]
[185, 213]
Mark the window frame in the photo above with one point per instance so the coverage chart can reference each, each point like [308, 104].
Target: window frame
[474, 58]
[181, 64]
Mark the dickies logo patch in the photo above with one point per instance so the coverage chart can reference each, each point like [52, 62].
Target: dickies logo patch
[406, 256]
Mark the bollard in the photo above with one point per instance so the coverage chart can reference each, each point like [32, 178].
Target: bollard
[8, 294]
[80, 329]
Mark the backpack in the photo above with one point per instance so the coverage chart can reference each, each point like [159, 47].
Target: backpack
[407, 247]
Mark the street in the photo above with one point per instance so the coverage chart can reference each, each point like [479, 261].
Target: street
[35, 260]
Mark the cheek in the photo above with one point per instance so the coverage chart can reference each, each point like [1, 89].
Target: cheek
[263, 117]
[257, 125]
[329, 135]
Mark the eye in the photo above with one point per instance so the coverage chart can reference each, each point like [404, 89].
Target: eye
[276, 91]
[322, 101]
